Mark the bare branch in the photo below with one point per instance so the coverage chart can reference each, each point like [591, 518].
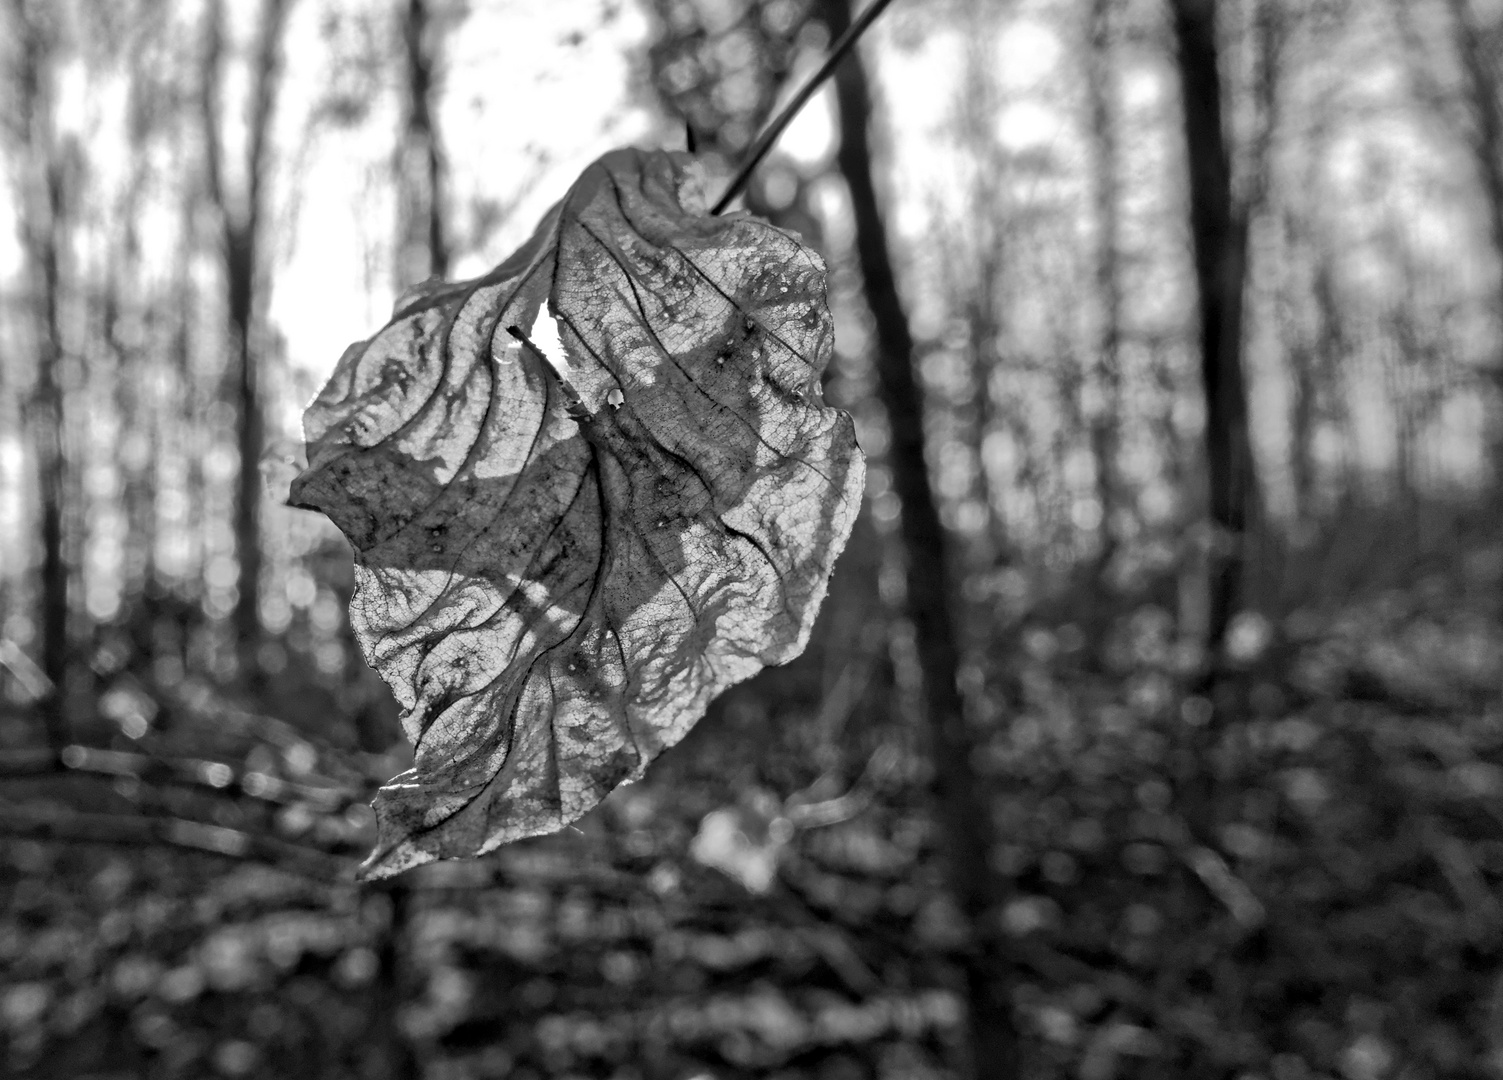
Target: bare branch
[66, 826]
[208, 775]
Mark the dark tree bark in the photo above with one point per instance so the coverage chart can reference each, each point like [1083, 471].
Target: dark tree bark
[1218, 235]
[963, 813]
[422, 245]
[43, 213]
[241, 216]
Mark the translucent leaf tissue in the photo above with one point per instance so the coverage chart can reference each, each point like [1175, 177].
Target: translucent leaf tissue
[562, 558]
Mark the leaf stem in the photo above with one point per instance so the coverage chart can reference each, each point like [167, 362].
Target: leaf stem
[770, 133]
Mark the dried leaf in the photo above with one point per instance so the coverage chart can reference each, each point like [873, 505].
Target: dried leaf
[561, 559]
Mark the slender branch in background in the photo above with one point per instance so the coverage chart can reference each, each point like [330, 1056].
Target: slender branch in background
[68, 826]
[217, 777]
[844, 44]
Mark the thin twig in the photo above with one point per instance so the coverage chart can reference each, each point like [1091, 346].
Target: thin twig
[783, 119]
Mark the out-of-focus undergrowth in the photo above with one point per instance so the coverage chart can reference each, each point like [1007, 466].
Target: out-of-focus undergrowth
[1299, 878]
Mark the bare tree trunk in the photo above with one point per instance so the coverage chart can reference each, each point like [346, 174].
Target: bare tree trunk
[422, 245]
[391, 1055]
[421, 252]
[1303, 356]
[138, 450]
[983, 316]
[241, 220]
[1218, 233]
[52, 467]
[962, 808]
[1477, 46]
[977, 267]
[43, 215]
[1331, 350]
[1309, 323]
[188, 402]
[1105, 430]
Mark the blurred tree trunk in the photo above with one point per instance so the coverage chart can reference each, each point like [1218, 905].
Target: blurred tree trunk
[974, 271]
[183, 440]
[42, 213]
[963, 811]
[390, 1055]
[1309, 322]
[984, 331]
[1304, 355]
[421, 252]
[241, 219]
[422, 246]
[1218, 235]
[1106, 190]
[1478, 45]
[138, 449]
[1316, 359]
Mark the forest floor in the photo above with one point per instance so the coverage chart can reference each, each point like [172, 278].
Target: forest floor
[1296, 877]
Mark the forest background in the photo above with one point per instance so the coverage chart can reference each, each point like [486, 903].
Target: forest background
[1153, 725]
